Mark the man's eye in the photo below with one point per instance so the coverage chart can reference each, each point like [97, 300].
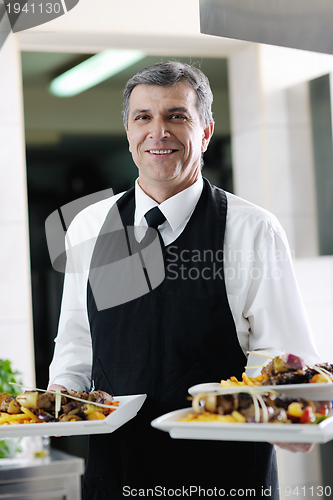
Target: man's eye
[142, 118]
[177, 117]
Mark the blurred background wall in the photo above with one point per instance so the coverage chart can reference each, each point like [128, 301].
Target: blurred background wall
[272, 146]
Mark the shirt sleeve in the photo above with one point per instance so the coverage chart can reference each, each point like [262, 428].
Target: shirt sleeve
[273, 304]
[72, 360]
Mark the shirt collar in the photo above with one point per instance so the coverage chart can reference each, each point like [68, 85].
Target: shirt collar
[176, 209]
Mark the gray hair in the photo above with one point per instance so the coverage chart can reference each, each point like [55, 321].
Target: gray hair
[170, 73]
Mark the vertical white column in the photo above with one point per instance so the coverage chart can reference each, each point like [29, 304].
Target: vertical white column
[271, 140]
[302, 171]
[248, 129]
[16, 337]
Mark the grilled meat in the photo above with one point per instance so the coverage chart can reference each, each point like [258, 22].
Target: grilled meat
[229, 402]
[8, 404]
[293, 376]
[277, 408]
[38, 400]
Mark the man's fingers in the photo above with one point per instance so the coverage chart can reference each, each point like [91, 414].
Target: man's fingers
[57, 387]
[296, 447]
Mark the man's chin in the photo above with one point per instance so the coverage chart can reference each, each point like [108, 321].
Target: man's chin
[164, 175]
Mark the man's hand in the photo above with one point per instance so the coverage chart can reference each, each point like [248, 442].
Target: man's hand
[295, 447]
[56, 387]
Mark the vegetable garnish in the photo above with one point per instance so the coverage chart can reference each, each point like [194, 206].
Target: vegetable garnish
[57, 403]
[263, 407]
[256, 409]
[268, 356]
[325, 373]
[102, 405]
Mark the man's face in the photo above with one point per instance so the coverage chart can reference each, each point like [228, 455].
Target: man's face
[165, 136]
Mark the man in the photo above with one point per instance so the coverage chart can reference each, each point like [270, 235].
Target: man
[199, 323]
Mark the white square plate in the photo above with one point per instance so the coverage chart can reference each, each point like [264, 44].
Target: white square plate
[128, 408]
[288, 433]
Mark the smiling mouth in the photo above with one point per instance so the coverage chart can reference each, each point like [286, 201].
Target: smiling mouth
[161, 151]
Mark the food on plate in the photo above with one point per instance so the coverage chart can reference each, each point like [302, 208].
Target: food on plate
[253, 406]
[49, 406]
[246, 381]
[290, 369]
[285, 369]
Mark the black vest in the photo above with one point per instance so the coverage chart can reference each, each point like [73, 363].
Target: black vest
[179, 334]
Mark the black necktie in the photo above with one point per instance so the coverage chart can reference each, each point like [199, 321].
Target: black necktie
[154, 217]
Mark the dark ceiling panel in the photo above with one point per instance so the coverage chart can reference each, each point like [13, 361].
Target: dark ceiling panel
[299, 24]
[38, 68]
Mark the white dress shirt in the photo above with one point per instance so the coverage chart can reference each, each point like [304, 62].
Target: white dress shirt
[261, 287]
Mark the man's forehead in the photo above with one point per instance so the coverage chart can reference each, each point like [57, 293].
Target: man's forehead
[180, 92]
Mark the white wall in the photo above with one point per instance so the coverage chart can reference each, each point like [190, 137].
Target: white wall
[298, 473]
[315, 278]
[16, 340]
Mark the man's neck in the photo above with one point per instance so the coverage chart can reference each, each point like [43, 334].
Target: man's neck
[160, 191]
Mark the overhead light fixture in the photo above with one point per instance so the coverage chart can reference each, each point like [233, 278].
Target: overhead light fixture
[93, 71]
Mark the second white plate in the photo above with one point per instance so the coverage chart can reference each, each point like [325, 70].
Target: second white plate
[275, 433]
[315, 392]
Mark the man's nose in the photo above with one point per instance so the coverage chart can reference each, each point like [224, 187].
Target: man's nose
[159, 129]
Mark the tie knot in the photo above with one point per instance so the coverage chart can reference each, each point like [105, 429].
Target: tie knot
[154, 217]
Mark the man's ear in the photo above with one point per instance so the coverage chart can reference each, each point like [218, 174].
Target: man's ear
[129, 144]
[206, 136]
